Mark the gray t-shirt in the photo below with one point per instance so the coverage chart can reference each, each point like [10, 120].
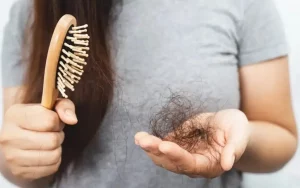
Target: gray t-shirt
[194, 47]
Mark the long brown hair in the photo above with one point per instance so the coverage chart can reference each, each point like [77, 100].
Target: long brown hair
[94, 92]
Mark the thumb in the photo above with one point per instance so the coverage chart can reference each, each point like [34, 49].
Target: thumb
[234, 148]
[65, 109]
[237, 133]
[228, 157]
[237, 142]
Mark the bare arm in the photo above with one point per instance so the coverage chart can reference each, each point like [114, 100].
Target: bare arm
[266, 100]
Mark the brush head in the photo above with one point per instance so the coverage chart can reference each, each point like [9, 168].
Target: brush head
[72, 59]
[67, 54]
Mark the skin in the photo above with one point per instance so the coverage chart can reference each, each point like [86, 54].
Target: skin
[31, 143]
[259, 138]
[231, 135]
[247, 139]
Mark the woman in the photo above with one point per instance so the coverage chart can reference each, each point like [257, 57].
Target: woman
[215, 68]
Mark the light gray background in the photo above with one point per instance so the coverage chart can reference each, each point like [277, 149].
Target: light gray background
[289, 177]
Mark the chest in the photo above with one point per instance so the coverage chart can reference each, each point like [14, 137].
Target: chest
[162, 47]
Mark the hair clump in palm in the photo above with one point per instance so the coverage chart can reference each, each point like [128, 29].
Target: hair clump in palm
[181, 122]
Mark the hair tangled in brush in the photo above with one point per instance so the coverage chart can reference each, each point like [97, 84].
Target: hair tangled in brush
[182, 122]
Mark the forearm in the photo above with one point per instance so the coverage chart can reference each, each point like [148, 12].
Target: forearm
[269, 149]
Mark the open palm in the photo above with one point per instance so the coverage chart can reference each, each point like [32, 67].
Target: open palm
[208, 157]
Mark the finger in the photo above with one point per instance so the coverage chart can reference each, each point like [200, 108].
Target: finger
[66, 111]
[34, 118]
[150, 144]
[139, 136]
[233, 148]
[26, 158]
[184, 160]
[33, 173]
[236, 139]
[44, 141]
[228, 157]
[29, 140]
[163, 162]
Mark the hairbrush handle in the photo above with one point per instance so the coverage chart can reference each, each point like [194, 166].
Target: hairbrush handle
[50, 91]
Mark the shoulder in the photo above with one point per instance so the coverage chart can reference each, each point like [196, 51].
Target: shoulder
[246, 4]
[20, 12]
[13, 37]
[19, 15]
[262, 34]
[258, 6]
[22, 5]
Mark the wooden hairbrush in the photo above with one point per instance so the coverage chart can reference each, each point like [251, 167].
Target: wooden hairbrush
[65, 59]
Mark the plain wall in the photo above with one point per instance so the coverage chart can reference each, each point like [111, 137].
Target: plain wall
[289, 177]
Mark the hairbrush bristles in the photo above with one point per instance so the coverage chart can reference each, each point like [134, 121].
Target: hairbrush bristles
[72, 59]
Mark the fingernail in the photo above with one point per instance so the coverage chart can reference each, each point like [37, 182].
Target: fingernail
[136, 142]
[70, 113]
